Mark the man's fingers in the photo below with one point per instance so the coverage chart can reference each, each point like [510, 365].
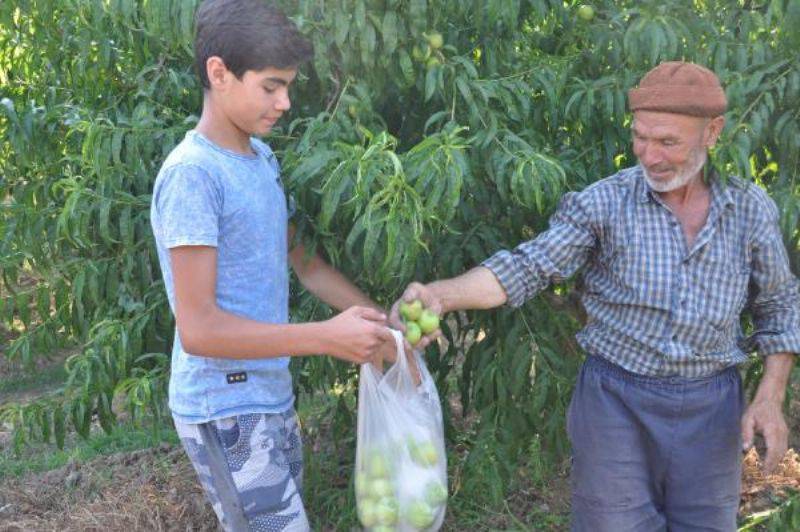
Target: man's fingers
[425, 295]
[748, 432]
[394, 317]
[436, 307]
[772, 460]
[777, 445]
[421, 344]
[430, 302]
[412, 292]
[428, 339]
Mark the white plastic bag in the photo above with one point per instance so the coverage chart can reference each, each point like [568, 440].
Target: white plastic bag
[401, 468]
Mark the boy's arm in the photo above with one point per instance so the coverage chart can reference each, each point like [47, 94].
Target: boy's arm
[325, 281]
[329, 285]
[355, 335]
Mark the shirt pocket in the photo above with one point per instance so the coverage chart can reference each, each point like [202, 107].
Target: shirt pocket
[634, 272]
[722, 278]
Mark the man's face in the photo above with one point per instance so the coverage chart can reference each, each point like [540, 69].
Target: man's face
[671, 148]
[256, 102]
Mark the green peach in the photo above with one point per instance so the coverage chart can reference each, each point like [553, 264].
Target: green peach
[411, 311]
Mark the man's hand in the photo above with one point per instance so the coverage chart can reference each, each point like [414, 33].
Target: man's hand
[357, 334]
[766, 418]
[430, 301]
[765, 413]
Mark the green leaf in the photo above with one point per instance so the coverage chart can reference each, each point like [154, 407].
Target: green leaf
[389, 32]
[430, 83]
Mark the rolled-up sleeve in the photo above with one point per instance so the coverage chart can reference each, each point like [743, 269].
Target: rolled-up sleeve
[774, 297]
[553, 255]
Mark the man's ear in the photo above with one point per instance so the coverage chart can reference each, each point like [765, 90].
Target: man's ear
[714, 130]
[218, 74]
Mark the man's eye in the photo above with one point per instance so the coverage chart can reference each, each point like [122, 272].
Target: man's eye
[268, 90]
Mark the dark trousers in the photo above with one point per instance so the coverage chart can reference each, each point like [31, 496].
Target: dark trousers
[653, 454]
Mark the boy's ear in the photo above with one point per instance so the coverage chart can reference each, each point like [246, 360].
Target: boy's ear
[218, 74]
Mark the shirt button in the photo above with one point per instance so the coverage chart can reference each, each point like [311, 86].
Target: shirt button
[683, 302]
[674, 337]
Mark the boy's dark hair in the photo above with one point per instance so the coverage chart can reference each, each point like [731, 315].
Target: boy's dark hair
[247, 35]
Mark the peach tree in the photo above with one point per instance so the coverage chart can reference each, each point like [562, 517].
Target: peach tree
[424, 136]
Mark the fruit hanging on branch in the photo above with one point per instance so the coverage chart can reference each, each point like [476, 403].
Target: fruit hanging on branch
[435, 39]
[586, 12]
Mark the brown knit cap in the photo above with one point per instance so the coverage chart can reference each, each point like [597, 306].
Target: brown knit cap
[681, 88]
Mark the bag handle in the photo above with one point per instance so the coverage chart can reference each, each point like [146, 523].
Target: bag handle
[401, 361]
[402, 364]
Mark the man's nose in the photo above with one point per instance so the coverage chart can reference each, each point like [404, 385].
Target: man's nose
[649, 155]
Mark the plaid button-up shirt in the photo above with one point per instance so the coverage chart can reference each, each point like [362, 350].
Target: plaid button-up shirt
[654, 306]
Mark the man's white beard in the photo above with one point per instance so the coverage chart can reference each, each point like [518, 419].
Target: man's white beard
[682, 176]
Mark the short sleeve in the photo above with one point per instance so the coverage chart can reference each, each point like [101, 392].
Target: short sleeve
[188, 204]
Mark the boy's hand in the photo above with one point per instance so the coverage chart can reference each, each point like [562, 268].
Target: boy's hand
[387, 354]
[429, 300]
[357, 334]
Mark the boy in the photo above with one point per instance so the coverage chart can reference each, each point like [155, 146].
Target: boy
[219, 215]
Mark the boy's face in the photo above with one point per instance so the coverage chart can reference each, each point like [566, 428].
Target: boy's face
[256, 102]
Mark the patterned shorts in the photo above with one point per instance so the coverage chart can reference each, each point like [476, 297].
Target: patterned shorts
[251, 469]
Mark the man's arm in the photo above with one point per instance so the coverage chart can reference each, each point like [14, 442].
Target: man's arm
[775, 308]
[512, 277]
[765, 413]
[476, 289]
[355, 335]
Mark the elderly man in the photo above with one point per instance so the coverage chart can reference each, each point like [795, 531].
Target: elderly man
[671, 257]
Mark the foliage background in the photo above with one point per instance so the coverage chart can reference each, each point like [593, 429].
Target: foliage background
[407, 164]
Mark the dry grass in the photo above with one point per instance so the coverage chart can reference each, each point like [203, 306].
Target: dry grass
[154, 489]
[760, 491]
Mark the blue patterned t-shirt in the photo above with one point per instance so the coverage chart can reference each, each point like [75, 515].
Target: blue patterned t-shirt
[205, 195]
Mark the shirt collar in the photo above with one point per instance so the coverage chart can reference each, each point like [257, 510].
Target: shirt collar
[720, 192]
[644, 191]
